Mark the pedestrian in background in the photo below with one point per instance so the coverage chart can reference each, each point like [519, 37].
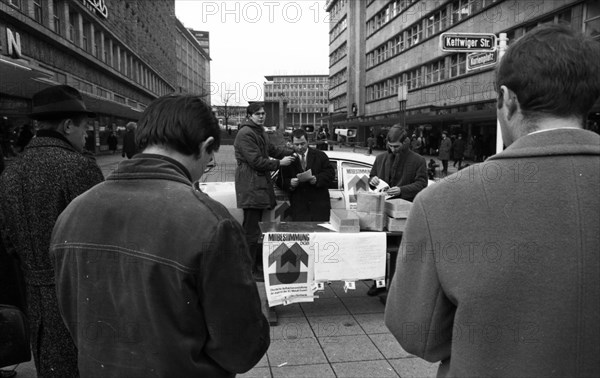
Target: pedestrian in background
[34, 190]
[253, 185]
[24, 137]
[444, 152]
[113, 141]
[166, 283]
[458, 149]
[500, 275]
[129, 146]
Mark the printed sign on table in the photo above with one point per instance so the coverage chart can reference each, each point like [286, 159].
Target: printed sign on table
[288, 267]
[355, 180]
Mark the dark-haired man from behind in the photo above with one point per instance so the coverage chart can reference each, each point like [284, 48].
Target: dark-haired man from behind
[309, 197]
[519, 293]
[160, 269]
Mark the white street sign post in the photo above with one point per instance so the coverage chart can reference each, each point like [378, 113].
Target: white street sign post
[468, 42]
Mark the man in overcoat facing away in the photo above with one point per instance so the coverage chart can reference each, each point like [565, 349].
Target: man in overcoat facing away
[309, 196]
[34, 190]
[499, 267]
[158, 269]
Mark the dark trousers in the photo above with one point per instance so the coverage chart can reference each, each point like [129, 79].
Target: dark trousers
[252, 230]
[445, 166]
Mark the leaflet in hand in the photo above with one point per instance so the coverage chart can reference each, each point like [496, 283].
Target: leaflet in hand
[382, 186]
[304, 176]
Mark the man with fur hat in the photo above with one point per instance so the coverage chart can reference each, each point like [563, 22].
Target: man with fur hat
[34, 190]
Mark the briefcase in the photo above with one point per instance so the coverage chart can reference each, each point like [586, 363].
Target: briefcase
[14, 336]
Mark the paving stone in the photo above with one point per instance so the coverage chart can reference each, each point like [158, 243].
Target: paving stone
[372, 323]
[319, 370]
[257, 372]
[338, 325]
[364, 369]
[293, 310]
[295, 352]
[290, 328]
[389, 346]
[324, 307]
[349, 348]
[414, 367]
[363, 305]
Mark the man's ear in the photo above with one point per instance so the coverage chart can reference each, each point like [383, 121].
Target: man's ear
[66, 126]
[204, 146]
[508, 98]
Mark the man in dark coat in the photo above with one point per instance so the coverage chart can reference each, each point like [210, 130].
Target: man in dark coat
[458, 149]
[34, 190]
[499, 267]
[402, 169]
[309, 198]
[129, 146]
[158, 270]
[253, 185]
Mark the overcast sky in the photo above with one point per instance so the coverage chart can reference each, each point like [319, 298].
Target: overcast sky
[252, 39]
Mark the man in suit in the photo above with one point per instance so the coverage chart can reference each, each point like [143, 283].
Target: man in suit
[309, 196]
[499, 268]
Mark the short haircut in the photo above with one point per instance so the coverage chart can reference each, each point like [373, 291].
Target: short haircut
[254, 107]
[551, 70]
[52, 123]
[180, 122]
[130, 125]
[299, 133]
[397, 133]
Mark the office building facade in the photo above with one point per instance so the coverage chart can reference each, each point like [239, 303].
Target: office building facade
[120, 55]
[385, 54]
[306, 97]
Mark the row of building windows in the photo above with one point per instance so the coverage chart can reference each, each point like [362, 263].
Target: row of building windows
[67, 22]
[338, 29]
[338, 78]
[426, 27]
[295, 79]
[339, 102]
[338, 54]
[388, 13]
[296, 87]
[334, 12]
[434, 72]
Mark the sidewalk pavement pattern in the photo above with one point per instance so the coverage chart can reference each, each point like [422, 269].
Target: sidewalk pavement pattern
[340, 334]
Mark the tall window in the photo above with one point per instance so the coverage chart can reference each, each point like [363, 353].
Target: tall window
[592, 20]
[37, 10]
[56, 17]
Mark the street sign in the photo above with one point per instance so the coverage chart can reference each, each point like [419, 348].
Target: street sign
[468, 42]
[481, 60]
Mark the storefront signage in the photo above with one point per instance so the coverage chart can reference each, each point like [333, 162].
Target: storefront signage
[97, 5]
[481, 60]
[13, 43]
[468, 42]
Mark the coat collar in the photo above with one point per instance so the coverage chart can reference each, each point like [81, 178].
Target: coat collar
[151, 166]
[50, 138]
[553, 143]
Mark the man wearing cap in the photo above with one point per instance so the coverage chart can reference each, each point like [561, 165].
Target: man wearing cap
[34, 190]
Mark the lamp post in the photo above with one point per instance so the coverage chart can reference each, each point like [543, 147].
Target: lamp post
[502, 43]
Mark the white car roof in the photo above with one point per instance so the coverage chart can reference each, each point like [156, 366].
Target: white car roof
[351, 156]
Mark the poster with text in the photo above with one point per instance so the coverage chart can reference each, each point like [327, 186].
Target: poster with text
[355, 180]
[288, 267]
[348, 256]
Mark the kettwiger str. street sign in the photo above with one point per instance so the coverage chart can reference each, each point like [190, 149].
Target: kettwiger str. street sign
[468, 42]
[481, 60]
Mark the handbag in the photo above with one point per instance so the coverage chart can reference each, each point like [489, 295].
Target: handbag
[14, 336]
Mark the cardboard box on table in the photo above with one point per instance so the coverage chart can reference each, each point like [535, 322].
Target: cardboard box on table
[344, 220]
[397, 211]
[370, 209]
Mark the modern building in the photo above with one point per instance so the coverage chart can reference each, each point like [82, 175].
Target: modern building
[386, 54]
[203, 38]
[193, 63]
[121, 55]
[306, 97]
